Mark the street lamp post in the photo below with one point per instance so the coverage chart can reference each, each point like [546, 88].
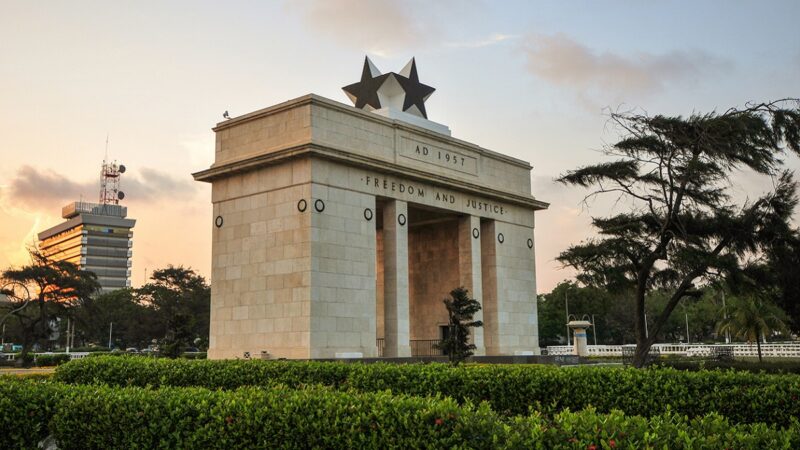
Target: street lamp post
[68, 322]
[110, 328]
[725, 315]
[594, 330]
[686, 315]
[566, 308]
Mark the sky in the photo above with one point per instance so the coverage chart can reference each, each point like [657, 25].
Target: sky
[533, 80]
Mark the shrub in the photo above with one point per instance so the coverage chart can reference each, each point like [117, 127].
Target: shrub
[510, 389]
[100, 417]
[266, 418]
[25, 361]
[779, 366]
[26, 406]
[44, 360]
[587, 429]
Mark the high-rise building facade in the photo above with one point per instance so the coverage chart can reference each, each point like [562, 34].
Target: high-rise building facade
[97, 238]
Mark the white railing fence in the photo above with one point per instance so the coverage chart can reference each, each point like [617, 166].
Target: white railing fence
[776, 350]
[72, 355]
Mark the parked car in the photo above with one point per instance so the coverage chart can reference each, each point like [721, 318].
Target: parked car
[132, 350]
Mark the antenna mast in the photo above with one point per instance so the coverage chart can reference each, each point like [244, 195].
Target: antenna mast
[109, 181]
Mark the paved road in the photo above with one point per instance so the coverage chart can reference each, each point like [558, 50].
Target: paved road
[33, 370]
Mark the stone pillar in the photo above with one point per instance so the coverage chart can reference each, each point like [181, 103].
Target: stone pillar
[469, 270]
[489, 288]
[395, 279]
[578, 328]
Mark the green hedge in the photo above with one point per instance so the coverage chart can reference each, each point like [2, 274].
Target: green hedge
[45, 360]
[510, 389]
[774, 366]
[26, 407]
[102, 417]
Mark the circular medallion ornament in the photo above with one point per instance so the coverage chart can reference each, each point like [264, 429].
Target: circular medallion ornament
[501, 238]
[401, 219]
[368, 214]
[218, 221]
[302, 205]
[476, 233]
[319, 205]
[530, 243]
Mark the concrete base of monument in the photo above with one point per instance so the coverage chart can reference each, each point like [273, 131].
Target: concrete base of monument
[559, 360]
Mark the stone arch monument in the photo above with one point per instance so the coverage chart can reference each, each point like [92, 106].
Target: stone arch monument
[337, 230]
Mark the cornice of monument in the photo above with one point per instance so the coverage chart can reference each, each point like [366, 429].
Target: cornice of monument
[318, 100]
[353, 159]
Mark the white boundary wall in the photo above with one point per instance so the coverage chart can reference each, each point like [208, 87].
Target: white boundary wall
[777, 350]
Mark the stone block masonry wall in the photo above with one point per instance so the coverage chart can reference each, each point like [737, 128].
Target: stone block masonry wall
[261, 265]
[379, 317]
[469, 269]
[489, 287]
[342, 294]
[396, 142]
[284, 128]
[516, 288]
[509, 289]
[324, 281]
[433, 273]
[395, 279]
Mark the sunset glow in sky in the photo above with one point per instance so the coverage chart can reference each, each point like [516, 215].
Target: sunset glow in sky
[528, 79]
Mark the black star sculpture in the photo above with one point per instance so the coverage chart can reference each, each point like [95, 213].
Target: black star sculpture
[367, 93]
[416, 92]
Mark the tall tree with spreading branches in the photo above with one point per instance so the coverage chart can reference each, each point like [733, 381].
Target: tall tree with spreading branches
[41, 291]
[682, 228]
[181, 300]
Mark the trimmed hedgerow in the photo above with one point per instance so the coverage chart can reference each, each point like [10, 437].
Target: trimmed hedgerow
[277, 417]
[47, 360]
[101, 417]
[26, 406]
[787, 366]
[589, 430]
[510, 389]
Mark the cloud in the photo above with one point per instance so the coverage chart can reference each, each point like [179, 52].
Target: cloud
[564, 223]
[31, 187]
[45, 190]
[493, 39]
[562, 61]
[155, 185]
[381, 27]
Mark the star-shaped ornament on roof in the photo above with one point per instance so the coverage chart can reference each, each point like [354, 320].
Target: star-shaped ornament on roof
[401, 90]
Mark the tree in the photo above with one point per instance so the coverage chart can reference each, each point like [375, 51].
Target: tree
[460, 311]
[753, 320]
[590, 301]
[42, 291]
[133, 322]
[781, 270]
[682, 228]
[181, 300]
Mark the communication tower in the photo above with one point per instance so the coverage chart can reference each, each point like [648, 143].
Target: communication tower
[110, 194]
